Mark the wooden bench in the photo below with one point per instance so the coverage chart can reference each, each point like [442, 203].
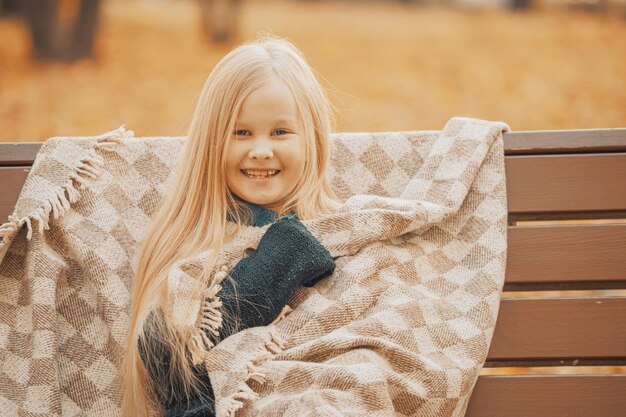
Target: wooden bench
[552, 176]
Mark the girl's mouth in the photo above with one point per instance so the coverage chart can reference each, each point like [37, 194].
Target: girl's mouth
[260, 175]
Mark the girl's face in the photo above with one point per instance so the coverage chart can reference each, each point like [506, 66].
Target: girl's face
[266, 155]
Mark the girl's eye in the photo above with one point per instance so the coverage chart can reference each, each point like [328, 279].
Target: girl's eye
[244, 132]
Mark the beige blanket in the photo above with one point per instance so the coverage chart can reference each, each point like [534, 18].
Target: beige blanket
[402, 328]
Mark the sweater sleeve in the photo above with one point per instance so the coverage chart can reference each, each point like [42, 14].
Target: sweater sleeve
[287, 256]
[262, 283]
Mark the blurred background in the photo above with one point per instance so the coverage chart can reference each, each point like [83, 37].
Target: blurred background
[72, 67]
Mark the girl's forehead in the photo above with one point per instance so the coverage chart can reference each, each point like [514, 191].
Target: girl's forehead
[271, 92]
[271, 103]
[278, 120]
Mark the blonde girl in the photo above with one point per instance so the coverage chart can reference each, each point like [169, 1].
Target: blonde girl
[256, 153]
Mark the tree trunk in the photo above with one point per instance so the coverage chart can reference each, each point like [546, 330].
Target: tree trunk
[57, 39]
[219, 18]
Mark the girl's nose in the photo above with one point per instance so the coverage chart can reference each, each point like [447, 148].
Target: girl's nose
[261, 150]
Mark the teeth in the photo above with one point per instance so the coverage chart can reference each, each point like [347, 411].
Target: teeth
[260, 174]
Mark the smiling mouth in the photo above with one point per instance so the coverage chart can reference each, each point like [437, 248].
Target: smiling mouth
[259, 175]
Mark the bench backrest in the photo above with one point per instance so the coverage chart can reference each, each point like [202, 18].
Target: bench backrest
[555, 179]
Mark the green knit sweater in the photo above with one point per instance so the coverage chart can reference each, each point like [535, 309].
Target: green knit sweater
[287, 256]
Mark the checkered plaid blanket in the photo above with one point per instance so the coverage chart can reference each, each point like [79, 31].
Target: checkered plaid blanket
[402, 327]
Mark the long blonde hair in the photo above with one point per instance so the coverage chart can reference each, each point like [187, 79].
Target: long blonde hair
[194, 213]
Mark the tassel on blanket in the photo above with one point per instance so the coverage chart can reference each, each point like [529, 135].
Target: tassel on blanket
[111, 139]
[255, 374]
[89, 167]
[59, 203]
[234, 403]
[273, 346]
[10, 228]
[284, 313]
[276, 344]
[209, 320]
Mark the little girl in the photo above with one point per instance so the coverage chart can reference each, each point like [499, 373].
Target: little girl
[256, 154]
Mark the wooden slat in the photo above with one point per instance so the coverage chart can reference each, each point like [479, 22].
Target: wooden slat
[11, 182]
[520, 219]
[560, 328]
[581, 253]
[18, 153]
[549, 396]
[564, 141]
[566, 183]
[556, 363]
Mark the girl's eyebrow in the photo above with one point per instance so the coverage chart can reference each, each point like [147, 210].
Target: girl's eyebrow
[276, 122]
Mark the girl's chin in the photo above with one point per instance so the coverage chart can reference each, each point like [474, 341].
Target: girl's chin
[264, 202]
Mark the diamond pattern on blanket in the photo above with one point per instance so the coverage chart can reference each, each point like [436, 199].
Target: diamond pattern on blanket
[402, 327]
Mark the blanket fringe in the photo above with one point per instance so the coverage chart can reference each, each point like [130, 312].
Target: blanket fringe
[58, 204]
[210, 318]
[273, 346]
[67, 194]
[284, 313]
[111, 139]
[235, 402]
